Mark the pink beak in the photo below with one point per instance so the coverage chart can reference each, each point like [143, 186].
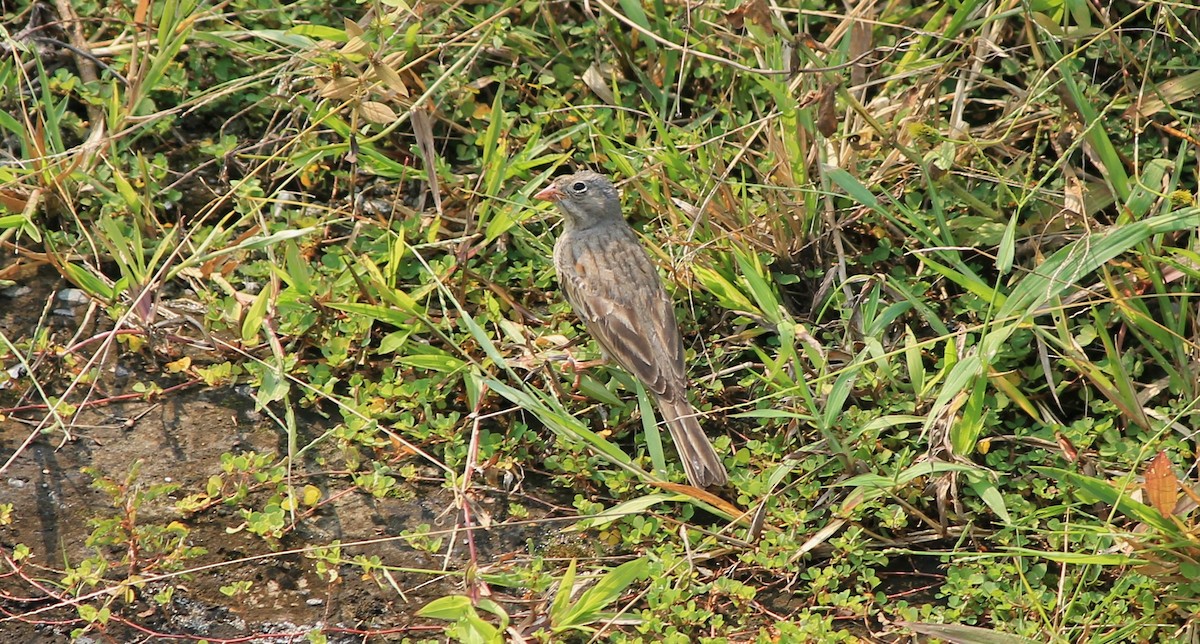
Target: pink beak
[549, 194]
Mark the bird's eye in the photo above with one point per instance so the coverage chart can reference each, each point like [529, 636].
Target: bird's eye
[579, 187]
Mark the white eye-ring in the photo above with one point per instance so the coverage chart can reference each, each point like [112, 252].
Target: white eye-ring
[579, 187]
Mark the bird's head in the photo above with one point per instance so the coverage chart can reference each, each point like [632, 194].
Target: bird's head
[585, 198]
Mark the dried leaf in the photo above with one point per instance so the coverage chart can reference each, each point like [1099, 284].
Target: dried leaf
[12, 201]
[706, 497]
[1073, 200]
[1067, 447]
[1168, 92]
[357, 45]
[390, 78]
[827, 115]
[1162, 488]
[352, 28]
[21, 270]
[340, 89]
[756, 12]
[595, 82]
[862, 40]
[807, 40]
[423, 130]
[376, 112]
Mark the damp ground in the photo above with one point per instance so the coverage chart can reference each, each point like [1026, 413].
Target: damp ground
[244, 586]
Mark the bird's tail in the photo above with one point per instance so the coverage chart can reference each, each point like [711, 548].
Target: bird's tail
[700, 460]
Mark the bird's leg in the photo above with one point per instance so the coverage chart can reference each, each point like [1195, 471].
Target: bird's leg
[577, 368]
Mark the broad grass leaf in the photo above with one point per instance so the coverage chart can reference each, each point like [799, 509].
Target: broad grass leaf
[1057, 275]
[86, 280]
[459, 609]
[621, 510]
[960, 634]
[590, 606]
[255, 316]
[558, 420]
[990, 494]
[1106, 492]
[1076, 558]
[725, 291]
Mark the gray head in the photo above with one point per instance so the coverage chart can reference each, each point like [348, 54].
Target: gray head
[585, 199]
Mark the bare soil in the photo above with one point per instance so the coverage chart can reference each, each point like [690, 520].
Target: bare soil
[181, 438]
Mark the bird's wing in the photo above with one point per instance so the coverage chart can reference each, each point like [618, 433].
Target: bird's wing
[611, 283]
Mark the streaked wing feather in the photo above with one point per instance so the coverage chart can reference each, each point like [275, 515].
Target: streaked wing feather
[631, 317]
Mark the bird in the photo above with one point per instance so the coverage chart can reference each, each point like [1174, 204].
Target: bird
[615, 290]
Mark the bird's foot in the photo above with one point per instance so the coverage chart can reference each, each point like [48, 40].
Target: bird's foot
[577, 367]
